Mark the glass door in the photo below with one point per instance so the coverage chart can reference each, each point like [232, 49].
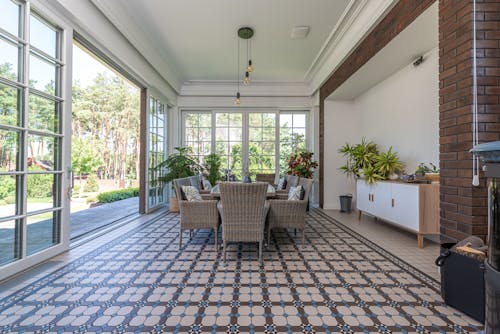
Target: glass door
[157, 153]
[31, 138]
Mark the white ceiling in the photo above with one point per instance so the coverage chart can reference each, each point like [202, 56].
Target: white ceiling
[196, 40]
[418, 38]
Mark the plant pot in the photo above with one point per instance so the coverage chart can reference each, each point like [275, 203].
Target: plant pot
[174, 204]
[433, 177]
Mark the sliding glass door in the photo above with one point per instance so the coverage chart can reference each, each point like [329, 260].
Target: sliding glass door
[31, 137]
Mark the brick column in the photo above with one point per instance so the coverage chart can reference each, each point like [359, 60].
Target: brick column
[464, 207]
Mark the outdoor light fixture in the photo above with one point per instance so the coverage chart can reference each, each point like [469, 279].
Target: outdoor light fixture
[244, 33]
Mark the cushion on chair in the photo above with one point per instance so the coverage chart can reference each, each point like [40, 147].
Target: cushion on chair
[191, 193]
[281, 184]
[215, 189]
[207, 185]
[295, 193]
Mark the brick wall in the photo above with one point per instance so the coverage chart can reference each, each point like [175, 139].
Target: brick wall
[464, 207]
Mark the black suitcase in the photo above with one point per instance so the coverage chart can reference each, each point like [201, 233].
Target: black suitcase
[462, 282]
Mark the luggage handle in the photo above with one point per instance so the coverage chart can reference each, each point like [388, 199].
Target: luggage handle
[440, 260]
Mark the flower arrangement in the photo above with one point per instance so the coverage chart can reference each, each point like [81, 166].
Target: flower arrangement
[301, 164]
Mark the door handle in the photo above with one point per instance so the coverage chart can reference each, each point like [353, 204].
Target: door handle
[392, 202]
[373, 198]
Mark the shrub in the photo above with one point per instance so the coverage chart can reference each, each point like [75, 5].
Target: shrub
[10, 199]
[91, 185]
[76, 189]
[7, 186]
[117, 195]
[40, 185]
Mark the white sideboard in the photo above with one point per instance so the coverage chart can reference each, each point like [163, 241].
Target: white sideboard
[412, 206]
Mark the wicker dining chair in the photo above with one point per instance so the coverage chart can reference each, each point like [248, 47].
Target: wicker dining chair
[291, 181]
[196, 214]
[269, 178]
[284, 213]
[243, 209]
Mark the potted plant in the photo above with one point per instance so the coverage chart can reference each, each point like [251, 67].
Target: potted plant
[301, 164]
[358, 157]
[178, 165]
[428, 172]
[212, 168]
[388, 164]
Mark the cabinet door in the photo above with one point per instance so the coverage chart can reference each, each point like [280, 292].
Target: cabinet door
[363, 195]
[381, 199]
[406, 203]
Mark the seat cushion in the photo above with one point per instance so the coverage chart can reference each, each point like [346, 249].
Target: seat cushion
[296, 193]
[191, 193]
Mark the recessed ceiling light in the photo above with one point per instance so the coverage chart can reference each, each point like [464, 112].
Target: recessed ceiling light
[300, 32]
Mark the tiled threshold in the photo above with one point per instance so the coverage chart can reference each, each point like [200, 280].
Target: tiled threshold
[395, 240]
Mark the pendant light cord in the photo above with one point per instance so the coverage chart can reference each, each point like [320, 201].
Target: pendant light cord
[475, 136]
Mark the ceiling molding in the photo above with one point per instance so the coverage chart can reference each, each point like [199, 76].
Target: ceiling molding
[118, 16]
[346, 19]
[363, 18]
[229, 88]
[247, 102]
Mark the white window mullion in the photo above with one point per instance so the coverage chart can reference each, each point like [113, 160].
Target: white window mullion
[245, 143]
[277, 143]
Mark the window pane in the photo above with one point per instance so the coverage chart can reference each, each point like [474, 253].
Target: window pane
[41, 191]
[7, 240]
[43, 36]
[286, 120]
[205, 134]
[9, 60]
[221, 119]
[299, 120]
[7, 196]
[9, 105]
[42, 153]
[191, 120]
[9, 16]
[255, 119]
[206, 120]
[9, 141]
[268, 134]
[42, 232]
[42, 75]
[42, 114]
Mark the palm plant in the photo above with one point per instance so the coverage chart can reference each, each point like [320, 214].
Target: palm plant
[179, 165]
[388, 163]
[358, 157]
[212, 166]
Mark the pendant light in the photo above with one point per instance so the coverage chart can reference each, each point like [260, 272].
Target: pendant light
[244, 33]
[237, 100]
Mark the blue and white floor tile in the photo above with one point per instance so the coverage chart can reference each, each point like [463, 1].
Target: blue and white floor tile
[139, 282]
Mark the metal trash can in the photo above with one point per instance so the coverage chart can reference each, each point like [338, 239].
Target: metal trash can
[345, 203]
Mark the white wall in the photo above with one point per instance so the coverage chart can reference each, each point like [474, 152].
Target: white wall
[401, 111]
[342, 121]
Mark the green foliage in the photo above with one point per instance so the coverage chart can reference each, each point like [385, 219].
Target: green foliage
[302, 164]
[212, 166]
[388, 163]
[179, 165]
[423, 168]
[7, 186]
[364, 159]
[84, 156]
[91, 184]
[117, 195]
[10, 200]
[40, 185]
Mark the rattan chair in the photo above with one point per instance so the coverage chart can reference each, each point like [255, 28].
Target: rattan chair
[269, 178]
[196, 214]
[289, 214]
[291, 181]
[243, 209]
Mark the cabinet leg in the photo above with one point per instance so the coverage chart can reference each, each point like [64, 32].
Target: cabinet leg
[420, 239]
[360, 213]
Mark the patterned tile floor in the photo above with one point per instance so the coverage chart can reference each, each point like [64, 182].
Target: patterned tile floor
[139, 282]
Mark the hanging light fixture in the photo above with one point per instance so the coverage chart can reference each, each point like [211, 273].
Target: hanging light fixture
[244, 33]
[249, 56]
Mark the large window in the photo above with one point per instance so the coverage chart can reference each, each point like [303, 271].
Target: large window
[157, 151]
[257, 142]
[30, 133]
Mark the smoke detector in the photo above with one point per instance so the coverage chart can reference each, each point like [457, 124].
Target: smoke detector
[300, 32]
